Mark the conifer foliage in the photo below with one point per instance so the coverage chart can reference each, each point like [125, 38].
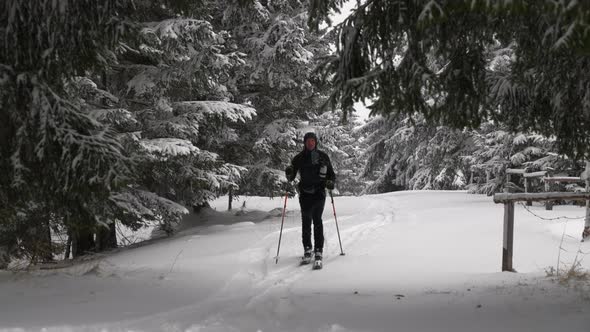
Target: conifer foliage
[135, 112]
[59, 166]
[109, 109]
[278, 80]
[433, 57]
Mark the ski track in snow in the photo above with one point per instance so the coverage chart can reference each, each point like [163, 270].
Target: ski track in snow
[279, 280]
[287, 271]
[260, 274]
[264, 277]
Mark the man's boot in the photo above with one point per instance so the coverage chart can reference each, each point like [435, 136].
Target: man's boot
[306, 259]
[317, 264]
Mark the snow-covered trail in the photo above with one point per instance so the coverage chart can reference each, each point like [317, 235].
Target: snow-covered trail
[255, 288]
[415, 261]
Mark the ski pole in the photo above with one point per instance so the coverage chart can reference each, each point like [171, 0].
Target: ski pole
[282, 221]
[337, 230]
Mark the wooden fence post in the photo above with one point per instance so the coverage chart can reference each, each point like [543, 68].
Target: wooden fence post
[508, 179]
[508, 236]
[526, 185]
[548, 203]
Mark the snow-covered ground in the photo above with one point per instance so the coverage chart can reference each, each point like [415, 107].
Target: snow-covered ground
[415, 261]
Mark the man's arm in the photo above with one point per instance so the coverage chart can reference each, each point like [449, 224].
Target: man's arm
[330, 175]
[292, 169]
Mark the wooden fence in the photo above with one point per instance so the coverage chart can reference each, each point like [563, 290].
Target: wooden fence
[548, 180]
[508, 200]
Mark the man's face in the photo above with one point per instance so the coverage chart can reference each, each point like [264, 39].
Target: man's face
[310, 144]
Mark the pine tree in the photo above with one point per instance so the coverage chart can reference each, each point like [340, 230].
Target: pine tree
[412, 154]
[59, 165]
[278, 80]
[433, 57]
[94, 115]
[174, 76]
[496, 149]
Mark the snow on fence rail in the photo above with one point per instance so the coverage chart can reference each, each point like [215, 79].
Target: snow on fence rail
[509, 198]
[563, 179]
[525, 173]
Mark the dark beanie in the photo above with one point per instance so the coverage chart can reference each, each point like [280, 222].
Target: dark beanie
[310, 135]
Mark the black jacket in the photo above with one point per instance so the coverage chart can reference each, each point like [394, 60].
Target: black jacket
[315, 169]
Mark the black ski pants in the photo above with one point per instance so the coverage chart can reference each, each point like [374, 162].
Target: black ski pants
[312, 207]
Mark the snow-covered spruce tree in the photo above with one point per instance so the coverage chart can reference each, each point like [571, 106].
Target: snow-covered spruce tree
[137, 204]
[184, 168]
[277, 80]
[64, 167]
[489, 159]
[406, 153]
[174, 77]
[496, 148]
[59, 166]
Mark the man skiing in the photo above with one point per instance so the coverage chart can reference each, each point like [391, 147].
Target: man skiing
[316, 174]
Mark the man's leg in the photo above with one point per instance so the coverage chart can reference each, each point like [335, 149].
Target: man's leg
[306, 219]
[318, 227]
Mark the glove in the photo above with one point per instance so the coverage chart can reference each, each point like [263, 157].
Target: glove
[330, 184]
[290, 173]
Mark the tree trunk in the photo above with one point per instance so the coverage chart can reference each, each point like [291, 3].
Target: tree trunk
[68, 246]
[197, 208]
[39, 239]
[82, 242]
[106, 238]
[104, 80]
[231, 198]
[46, 239]
[4, 257]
